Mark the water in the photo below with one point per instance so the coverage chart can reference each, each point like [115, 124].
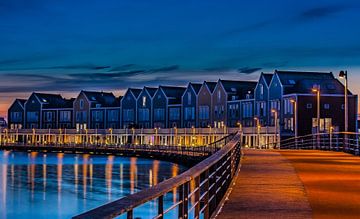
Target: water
[38, 185]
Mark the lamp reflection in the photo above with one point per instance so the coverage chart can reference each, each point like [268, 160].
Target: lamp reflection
[175, 171]
[108, 174]
[76, 174]
[133, 173]
[85, 169]
[33, 156]
[60, 157]
[44, 176]
[155, 171]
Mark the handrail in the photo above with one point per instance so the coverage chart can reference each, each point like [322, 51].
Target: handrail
[207, 174]
[348, 142]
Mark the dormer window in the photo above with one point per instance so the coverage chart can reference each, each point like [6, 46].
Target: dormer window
[261, 87]
[219, 95]
[292, 82]
[189, 98]
[98, 105]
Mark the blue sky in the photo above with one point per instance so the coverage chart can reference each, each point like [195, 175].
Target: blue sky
[65, 46]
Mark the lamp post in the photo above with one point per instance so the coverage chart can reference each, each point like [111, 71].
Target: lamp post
[293, 101]
[210, 134]
[175, 139]
[343, 74]
[316, 89]
[257, 124]
[275, 124]
[111, 135]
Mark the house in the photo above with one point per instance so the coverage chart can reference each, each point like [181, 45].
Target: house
[41, 110]
[261, 96]
[227, 91]
[167, 107]
[144, 107]
[129, 107]
[204, 105]
[190, 105]
[3, 123]
[92, 110]
[65, 114]
[16, 117]
[291, 92]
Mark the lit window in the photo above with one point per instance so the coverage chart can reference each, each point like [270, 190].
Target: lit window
[144, 101]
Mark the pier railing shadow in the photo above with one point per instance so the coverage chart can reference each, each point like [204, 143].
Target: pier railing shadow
[198, 191]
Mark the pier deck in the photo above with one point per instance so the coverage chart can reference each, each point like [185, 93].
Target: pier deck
[295, 184]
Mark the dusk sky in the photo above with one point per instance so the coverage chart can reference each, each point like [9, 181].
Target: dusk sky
[72, 45]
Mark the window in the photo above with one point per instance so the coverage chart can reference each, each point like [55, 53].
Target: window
[113, 115]
[159, 114]
[292, 82]
[219, 95]
[128, 115]
[342, 106]
[48, 116]
[247, 109]
[174, 113]
[261, 87]
[326, 106]
[97, 116]
[144, 101]
[309, 106]
[189, 98]
[204, 112]
[16, 116]
[189, 113]
[65, 116]
[32, 116]
[81, 104]
[144, 114]
[288, 106]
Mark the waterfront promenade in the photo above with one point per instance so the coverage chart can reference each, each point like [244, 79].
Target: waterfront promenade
[295, 184]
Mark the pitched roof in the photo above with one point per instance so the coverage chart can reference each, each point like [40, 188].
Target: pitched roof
[21, 101]
[267, 77]
[151, 90]
[174, 94]
[135, 91]
[292, 77]
[105, 99]
[302, 82]
[50, 100]
[237, 90]
[196, 87]
[211, 85]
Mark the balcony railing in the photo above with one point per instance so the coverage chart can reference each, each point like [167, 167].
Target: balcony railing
[199, 190]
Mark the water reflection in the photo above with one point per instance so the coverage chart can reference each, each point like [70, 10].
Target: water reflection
[61, 185]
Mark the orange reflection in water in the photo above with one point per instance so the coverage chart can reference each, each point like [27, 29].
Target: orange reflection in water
[121, 177]
[133, 173]
[155, 171]
[85, 169]
[44, 176]
[108, 174]
[76, 175]
[60, 157]
[33, 156]
[175, 172]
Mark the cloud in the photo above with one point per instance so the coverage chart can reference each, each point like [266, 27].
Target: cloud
[248, 70]
[321, 11]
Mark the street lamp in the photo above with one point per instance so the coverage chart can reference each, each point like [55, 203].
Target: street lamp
[240, 126]
[275, 123]
[295, 116]
[316, 89]
[343, 74]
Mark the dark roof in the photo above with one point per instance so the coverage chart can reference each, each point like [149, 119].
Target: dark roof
[302, 82]
[21, 101]
[151, 90]
[105, 99]
[174, 94]
[135, 91]
[237, 90]
[69, 103]
[50, 101]
[210, 85]
[292, 77]
[196, 87]
[267, 77]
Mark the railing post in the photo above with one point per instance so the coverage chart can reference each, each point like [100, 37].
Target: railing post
[206, 197]
[129, 214]
[182, 200]
[197, 197]
[186, 200]
[161, 207]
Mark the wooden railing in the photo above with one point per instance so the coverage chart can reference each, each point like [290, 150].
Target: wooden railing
[199, 190]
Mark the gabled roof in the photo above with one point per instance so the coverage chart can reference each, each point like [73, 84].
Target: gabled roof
[50, 101]
[302, 82]
[267, 77]
[174, 94]
[21, 102]
[135, 91]
[211, 85]
[151, 90]
[196, 87]
[292, 77]
[105, 99]
[237, 90]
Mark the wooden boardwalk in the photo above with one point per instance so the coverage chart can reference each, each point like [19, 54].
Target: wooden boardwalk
[267, 187]
[295, 184]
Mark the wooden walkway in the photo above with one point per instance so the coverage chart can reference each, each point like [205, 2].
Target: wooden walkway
[295, 184]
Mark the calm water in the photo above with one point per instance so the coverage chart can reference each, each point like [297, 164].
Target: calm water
[38, 185]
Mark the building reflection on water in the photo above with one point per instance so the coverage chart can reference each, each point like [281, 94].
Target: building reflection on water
[62, 185]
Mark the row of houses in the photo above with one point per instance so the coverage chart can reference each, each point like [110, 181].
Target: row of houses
[284, 95]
